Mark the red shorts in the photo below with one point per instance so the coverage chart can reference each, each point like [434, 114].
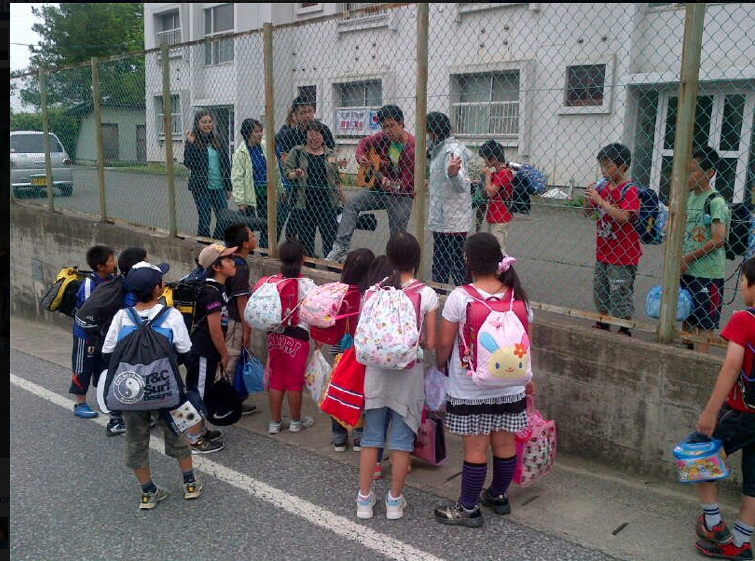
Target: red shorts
[288, 362]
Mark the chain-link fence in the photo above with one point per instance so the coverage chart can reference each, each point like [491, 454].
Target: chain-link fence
[524, 107]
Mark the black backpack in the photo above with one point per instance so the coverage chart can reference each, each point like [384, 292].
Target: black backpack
[97, 311]
[184, 295]
[61, 296]
[521, 198]
[143, 373]
[737, 238]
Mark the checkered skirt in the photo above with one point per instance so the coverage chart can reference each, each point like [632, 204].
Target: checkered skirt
[485, 416]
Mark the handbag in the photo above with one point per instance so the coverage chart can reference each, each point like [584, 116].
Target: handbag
[222, 401]
[535, 447]
[653, 303]
[252, 373]
[430, 444]
[344, 396]
[316, 374]
[435, 389]
[238, 377]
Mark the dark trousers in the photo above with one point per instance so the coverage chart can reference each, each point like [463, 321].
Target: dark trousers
[283, 211]
[448, 257]
[207, 201]
[307, 221]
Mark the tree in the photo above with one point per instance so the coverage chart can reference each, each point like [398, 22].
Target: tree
[73, 33]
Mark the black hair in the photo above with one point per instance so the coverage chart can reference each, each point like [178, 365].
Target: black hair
[248, 126]
[390, 112]
[439, 125]
[317, 126]
[482, 253]
[404, 255]
[146, 297]
[291, 255]
[616, 153]
[130, 257]
[379, 269]
[493, 149]
[356, 268]
[98, 255]
[303, 101]
[236, 234]
[707, 158]
[748, 271]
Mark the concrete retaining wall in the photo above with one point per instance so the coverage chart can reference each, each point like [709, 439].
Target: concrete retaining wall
[618, 400]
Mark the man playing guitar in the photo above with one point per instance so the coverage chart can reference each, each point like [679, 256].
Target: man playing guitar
[393, 189]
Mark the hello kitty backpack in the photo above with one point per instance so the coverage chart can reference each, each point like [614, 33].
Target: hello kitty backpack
[494, 344]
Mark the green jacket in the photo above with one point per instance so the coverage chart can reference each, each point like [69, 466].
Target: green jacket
[297, 158]
[242, 177]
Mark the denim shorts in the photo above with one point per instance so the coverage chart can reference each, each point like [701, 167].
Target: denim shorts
[401, 436]
[736, 429]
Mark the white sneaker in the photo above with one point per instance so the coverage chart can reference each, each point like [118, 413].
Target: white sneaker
[364, 506]
[394, 508]
[273, 428]
[303, 423]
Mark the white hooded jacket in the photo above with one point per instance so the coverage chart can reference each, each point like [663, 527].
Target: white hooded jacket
[450, 205]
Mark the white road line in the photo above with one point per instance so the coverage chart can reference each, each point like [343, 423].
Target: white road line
[312, 513]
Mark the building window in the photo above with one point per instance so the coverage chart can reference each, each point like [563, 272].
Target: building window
[218, 21]
[368, 9]
[585, 85]
[175, 116]
[358, 103]
[486, 104]
[168, 27]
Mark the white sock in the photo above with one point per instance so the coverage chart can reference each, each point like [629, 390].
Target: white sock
[712, 514]
[742, 533]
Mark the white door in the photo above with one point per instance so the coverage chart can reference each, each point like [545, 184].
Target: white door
[724, 120]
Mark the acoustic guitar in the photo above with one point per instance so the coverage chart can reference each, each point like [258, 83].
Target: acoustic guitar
[369, 176]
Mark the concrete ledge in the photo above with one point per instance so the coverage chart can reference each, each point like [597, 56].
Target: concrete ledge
[616, 400]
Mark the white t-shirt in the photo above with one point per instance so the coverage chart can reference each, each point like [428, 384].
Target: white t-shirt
[172, 320]
[461, 386]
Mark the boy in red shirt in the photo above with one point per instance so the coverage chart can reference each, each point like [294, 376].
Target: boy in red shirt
[617, 202]
[499, 188]
[730, 417]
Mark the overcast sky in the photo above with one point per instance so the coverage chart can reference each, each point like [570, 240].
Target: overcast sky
[21, 20]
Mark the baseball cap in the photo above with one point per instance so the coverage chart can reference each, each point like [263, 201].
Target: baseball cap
[212, 253]
[144, 277]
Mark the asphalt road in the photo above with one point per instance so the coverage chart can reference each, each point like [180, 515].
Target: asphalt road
[555, 245]
[72, 498]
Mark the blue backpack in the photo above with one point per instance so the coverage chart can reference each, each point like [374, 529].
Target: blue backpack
[528, 181]
[651, 222]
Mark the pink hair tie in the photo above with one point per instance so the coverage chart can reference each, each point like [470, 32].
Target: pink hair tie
[506, 263]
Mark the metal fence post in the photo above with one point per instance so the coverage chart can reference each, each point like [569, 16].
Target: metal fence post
[685, 126]
[272, 162]
[168, 130]
[97, 99]
[46, 139]
[420, 152]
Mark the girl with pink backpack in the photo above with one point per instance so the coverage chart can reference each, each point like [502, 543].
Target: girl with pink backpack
[484, 346]
[392, 394]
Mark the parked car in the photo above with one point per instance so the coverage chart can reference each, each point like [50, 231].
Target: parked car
[27, 165]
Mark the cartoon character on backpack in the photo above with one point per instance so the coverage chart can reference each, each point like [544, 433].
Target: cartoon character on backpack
[503, 351]
[507, 363]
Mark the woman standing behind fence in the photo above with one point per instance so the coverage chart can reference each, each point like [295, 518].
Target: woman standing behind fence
[316, 190]
[450, 207]
[210, 177]
[249, 176]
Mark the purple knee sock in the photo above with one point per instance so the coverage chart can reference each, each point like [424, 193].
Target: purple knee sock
[503, 473]
[472, 480]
